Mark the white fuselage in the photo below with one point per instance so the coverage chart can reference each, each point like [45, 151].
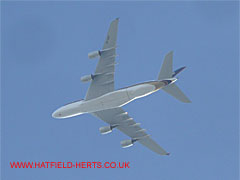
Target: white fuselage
[111, 100]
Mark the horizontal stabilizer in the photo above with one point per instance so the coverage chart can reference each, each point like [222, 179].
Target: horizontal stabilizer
[173, 90]
[178, 71]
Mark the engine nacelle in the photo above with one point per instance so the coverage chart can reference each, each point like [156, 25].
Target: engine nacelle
[105, 129]
[94, 54]
[87, 78]
[126, 143]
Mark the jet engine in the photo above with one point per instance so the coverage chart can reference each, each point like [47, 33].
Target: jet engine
[87, 78]
[127, 143]
[105, 129]
[94, 54]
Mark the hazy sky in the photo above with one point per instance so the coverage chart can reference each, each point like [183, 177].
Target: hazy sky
[44, 54]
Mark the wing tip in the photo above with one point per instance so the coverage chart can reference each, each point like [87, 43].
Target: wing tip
[170, 52]
[116, 20]
[187, 101]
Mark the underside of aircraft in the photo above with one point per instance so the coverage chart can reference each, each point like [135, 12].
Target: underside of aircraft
[105, 103]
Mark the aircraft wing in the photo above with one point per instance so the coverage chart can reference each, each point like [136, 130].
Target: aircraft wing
[103, 80]
[129, 127]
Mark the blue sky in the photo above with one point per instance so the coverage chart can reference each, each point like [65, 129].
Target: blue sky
[44, 54]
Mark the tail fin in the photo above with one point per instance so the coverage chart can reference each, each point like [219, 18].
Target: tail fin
[166, 69]
[166, 72]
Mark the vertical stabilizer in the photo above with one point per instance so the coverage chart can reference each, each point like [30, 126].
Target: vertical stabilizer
[166, 72]
[166, 69]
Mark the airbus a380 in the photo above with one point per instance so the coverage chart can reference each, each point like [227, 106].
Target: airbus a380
[104, 102]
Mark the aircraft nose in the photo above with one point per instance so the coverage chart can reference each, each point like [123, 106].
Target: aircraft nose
[56, 114]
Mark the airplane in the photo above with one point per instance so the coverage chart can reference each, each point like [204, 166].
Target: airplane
[105, 103]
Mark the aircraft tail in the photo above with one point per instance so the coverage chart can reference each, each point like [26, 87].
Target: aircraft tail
[166, 72]
[174, 90]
